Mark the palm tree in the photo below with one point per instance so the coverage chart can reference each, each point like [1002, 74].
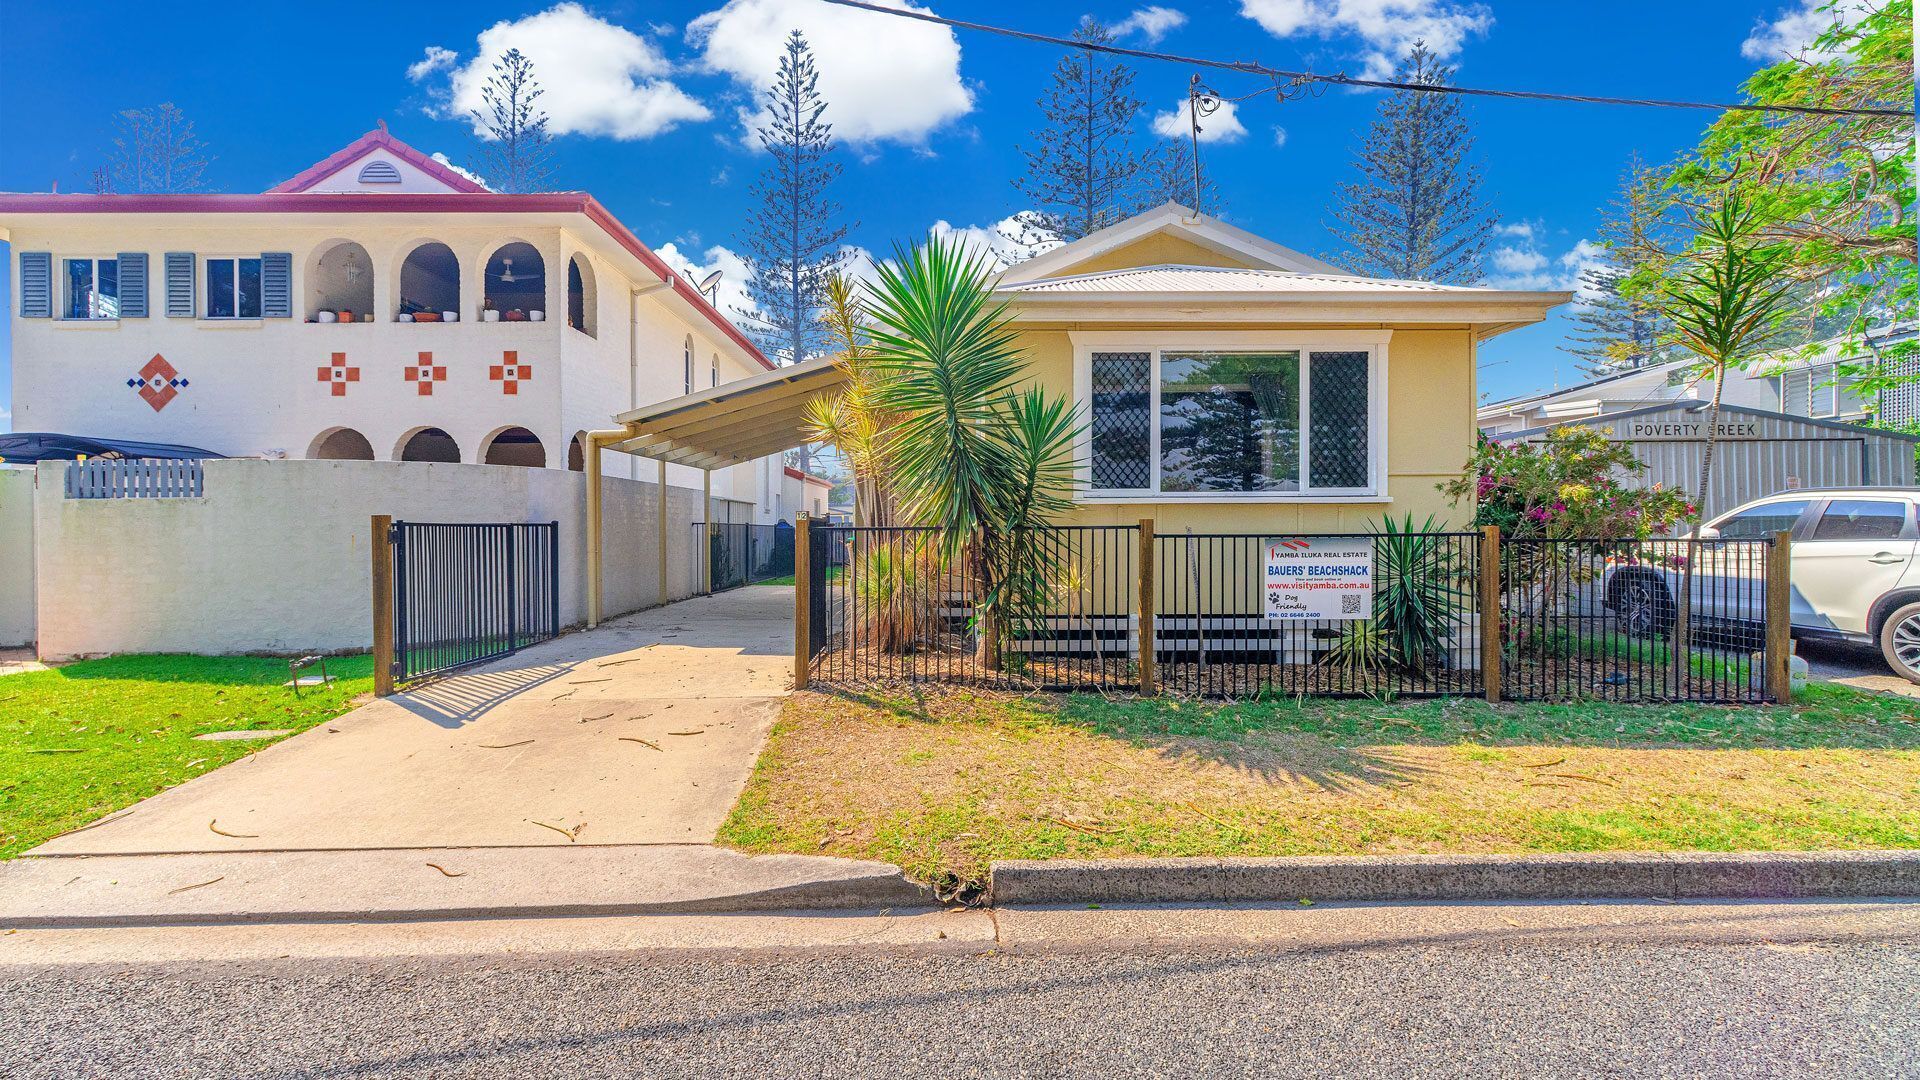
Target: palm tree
[966, 452]
[852, 421]
[1724, 306]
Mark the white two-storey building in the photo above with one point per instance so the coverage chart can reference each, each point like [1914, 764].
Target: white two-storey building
[377, 306]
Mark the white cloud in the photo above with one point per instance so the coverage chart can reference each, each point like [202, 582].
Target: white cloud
[597, 78]
[1522, 265]
[1279, 135]
[997, 240]
[1387, 28]
[468, 173]
[733, 281]
[1794, 29]
[1221, 126]
[883, 78]
[436, 59]
[1152, 23]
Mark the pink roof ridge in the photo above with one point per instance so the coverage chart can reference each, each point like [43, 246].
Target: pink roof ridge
[377, 139]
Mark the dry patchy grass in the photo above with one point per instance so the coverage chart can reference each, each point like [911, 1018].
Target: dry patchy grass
[944, 784]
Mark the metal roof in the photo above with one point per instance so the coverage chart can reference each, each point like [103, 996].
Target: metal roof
[734, 423]
[1700, 406]
[1176, 278]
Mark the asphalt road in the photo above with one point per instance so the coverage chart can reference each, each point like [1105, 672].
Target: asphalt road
[1404, 1003]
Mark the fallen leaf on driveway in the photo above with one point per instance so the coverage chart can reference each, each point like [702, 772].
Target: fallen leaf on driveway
[602, 716]
[504, 746]
[215, 826]
[570, 834]
[202, 885]
[449, 873]
[583, 682]
[642, 742]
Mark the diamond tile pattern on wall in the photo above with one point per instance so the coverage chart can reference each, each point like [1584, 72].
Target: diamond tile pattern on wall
[1122, 422]
[1337, 398]
[157, 382]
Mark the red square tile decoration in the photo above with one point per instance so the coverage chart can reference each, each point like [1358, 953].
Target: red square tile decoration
[336, 374]
[157, 382]
[510, 373]
[424, 374]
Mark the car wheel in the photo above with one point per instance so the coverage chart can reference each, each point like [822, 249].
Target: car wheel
[1644, 606]
[1900, 641]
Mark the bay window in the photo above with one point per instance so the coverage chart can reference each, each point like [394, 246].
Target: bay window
[233, 288]
[1233, 419]
[93, 289]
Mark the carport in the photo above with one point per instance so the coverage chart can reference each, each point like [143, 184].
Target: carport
[713, 429]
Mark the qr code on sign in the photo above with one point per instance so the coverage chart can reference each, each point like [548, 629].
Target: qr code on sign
[1350, 604]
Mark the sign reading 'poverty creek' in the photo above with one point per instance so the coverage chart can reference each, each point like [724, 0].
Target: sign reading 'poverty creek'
[1319, 578]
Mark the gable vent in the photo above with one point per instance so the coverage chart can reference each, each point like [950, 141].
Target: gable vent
[379, 172]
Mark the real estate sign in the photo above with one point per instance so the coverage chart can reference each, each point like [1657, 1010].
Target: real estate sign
[1319, 578]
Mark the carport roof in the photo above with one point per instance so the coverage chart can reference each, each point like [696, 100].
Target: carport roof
[733, 423]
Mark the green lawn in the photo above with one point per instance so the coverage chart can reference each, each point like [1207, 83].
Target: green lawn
[83, 740]
[946, 783]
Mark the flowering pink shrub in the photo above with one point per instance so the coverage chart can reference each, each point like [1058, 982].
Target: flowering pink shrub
[1574, 485]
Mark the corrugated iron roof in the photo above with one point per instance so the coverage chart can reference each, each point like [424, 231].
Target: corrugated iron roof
[1226, 279]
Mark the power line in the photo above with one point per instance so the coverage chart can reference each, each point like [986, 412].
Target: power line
[1304, 77]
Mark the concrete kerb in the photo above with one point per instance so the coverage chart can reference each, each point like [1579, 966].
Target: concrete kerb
[1578, 876]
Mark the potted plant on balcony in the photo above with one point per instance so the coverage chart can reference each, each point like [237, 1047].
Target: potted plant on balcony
[489, 313]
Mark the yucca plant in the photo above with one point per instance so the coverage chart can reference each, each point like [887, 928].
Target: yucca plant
[896, 591]
[1422, 591]
[966, 451]
[852, 421]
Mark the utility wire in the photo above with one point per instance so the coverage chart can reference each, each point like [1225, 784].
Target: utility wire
[1303, 77]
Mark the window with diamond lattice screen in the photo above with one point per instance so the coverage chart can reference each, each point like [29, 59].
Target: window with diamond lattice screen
[1337, 400]
[1122, 421]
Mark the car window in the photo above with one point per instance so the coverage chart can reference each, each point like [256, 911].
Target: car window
[1861, 519]
[1764, 520]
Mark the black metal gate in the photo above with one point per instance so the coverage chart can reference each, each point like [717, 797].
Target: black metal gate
[464, 593]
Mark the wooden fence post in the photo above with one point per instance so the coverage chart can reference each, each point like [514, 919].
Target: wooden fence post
[1145, 602]
[1779, 684]
[802, 601]
[1490, 611]
[382, 605]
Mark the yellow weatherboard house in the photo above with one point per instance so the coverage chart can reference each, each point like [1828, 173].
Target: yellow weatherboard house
[1229, 384]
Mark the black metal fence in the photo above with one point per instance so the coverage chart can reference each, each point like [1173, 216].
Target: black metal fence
[463, 594]
[1602, 619]
[1573, 620]
[742, 554]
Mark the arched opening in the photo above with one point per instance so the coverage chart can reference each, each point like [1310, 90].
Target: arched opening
[341, 444]
[581, 305]
[517, 283]
[428, 444]
[577, 452]
[429, 285]
[340, 284]
[514, 446]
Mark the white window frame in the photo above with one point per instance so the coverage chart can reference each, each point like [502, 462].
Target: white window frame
[1158, 343]
[688, 347]
[66, 284]
[206, 288]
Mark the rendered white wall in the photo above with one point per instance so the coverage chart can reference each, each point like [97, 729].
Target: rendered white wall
[274, 558]
[16, 557]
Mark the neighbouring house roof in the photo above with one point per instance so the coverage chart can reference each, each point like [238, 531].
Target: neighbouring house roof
[808, 477]
[1700, 407]
[607, 233]
[378, 139]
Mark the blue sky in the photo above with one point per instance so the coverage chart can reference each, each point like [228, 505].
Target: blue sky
[652, 95]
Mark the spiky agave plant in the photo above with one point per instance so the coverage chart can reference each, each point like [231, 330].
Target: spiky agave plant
[968, 453]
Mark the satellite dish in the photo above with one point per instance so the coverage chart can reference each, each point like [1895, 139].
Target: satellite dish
[711, 281]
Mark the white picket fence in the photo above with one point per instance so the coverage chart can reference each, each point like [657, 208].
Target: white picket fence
[135, 478]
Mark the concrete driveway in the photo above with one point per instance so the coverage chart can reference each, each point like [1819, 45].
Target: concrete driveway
[642, 731]
[1857, 666]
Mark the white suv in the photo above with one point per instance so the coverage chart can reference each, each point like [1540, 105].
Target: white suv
[1854, 573]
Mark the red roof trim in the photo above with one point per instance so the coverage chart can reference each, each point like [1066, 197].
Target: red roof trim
[809, 477]
[378, 139]
[355, 202]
